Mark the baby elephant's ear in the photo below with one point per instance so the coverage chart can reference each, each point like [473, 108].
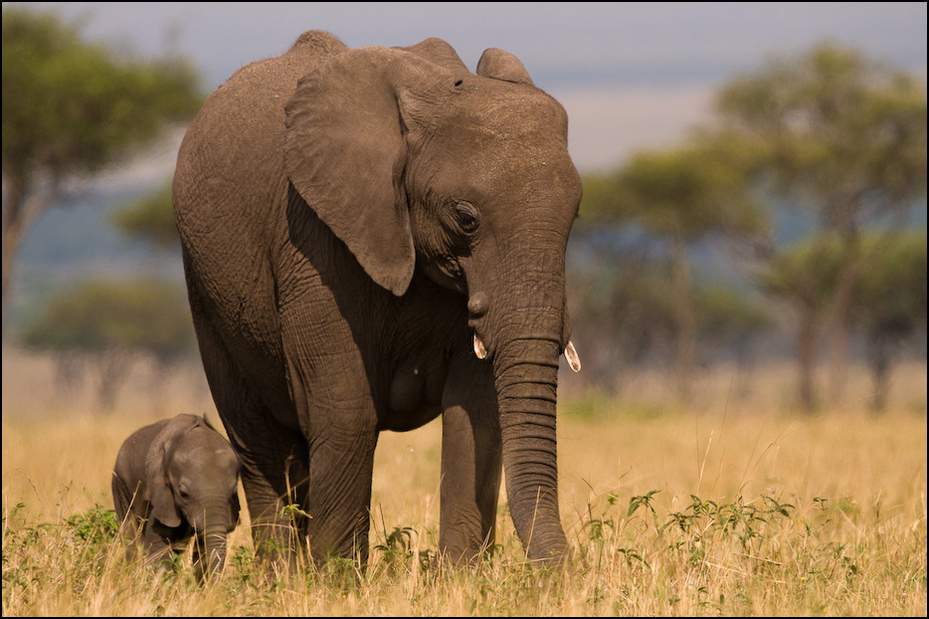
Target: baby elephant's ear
[162, 501]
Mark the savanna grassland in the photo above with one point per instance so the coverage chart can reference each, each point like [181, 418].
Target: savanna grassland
[737, 505]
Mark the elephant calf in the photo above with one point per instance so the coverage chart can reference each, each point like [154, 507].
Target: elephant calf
[173, 479]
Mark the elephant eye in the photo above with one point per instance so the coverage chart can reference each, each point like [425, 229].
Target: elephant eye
[466, 217]
[183, 492]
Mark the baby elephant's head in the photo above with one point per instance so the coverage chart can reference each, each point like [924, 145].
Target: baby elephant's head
[199, 490]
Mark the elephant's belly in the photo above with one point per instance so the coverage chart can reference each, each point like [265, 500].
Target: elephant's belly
[415, 396]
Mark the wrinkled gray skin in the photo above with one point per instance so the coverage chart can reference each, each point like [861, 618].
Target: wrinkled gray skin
[175, 478]
[356, 224]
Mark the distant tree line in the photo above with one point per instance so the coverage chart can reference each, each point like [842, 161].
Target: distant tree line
[830, 132]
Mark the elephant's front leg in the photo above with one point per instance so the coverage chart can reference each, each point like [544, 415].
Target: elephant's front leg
[341, 468]
[471, 461]
[156, 546]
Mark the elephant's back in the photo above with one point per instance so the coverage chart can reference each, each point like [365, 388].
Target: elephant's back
[278, 76]
[230, 190]
[231, 159]
[236, 140]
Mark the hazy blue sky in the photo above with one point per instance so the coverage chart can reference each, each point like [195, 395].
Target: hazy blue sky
[631, 75]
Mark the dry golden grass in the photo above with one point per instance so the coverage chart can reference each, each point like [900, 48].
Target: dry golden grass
[742, 506]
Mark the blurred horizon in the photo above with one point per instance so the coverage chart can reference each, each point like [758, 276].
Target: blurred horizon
[630, 76]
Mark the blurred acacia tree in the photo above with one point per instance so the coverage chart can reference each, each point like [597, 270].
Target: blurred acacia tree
[70, 108]
[106, 323]
[804, 277]
[150, 218]
[621, 313]
[888, 301]
[731, 319]
[891, 303]
[844, 137]
[624, 316]
[682, 195]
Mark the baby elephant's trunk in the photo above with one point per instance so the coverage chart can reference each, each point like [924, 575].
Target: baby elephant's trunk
[215, 545]
[219, 519]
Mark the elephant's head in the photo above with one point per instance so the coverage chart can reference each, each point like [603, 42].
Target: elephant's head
[416, 164]
[192, 478]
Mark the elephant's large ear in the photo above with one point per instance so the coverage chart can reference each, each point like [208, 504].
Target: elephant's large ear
[502, 65]
[345, 153]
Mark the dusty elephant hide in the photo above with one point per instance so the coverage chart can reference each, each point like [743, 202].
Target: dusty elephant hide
[374, 237]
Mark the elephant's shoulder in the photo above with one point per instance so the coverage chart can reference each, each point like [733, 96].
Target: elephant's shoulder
[268, 79]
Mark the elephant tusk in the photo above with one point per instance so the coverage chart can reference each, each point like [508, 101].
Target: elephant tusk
[570, 353]
[479, 349]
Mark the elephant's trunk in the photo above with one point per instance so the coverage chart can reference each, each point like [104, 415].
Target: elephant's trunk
[214, 536]
[527, 419]
[526, 375]
[215, 544]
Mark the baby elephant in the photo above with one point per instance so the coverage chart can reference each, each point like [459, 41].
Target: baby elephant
[175, 478]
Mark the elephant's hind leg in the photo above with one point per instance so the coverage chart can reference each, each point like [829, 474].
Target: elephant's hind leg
[273, 457]
[274, 473]
[274, 477]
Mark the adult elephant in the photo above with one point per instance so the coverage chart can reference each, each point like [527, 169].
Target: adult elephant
[373, 237]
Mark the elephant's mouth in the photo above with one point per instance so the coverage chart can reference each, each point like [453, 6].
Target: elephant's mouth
[570, 352]
[478, 306]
